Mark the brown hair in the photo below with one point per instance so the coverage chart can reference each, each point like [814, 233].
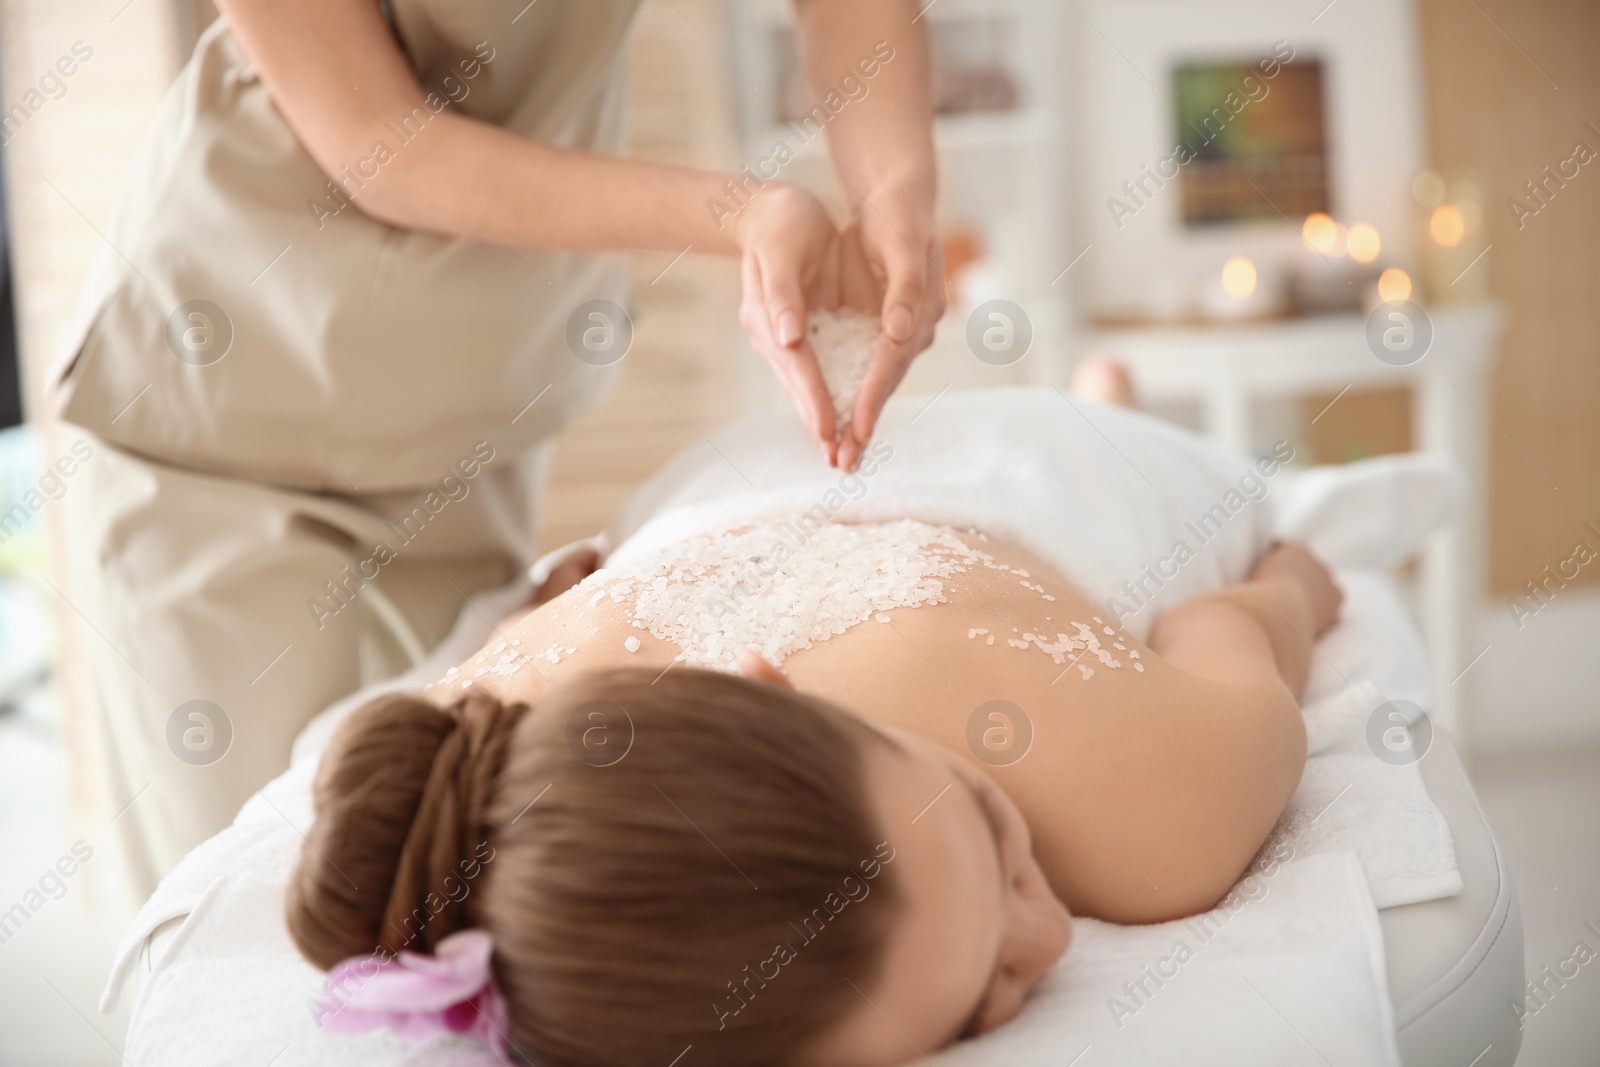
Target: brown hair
[703, 880]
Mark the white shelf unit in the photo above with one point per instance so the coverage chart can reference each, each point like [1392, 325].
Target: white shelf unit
[999, 170]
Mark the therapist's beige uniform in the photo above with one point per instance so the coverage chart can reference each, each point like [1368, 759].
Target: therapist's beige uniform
[370, 417]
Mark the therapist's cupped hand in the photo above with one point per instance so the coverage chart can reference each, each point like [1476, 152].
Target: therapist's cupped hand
[795, 259]
[890, 261]
[789, 262]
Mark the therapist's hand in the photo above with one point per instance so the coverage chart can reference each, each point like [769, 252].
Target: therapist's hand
[890, 263]
[789, 259]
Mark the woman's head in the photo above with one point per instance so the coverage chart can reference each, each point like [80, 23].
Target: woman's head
[690, 859]
[976, 924]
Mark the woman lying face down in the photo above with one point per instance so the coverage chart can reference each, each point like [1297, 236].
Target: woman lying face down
[813, 865]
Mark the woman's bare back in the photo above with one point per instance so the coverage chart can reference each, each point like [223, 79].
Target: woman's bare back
[1147, 787]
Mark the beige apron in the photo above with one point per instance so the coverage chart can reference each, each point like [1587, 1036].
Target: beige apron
[266, 531]
[363, 358]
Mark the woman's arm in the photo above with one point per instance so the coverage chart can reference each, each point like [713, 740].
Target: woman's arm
[883, 142]
[1258, 634]
[334, 70]
[1196, 764]
[882, 146]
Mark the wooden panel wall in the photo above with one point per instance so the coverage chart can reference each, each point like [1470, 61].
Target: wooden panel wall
[1510, 86]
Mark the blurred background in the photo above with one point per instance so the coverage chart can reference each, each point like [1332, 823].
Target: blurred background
[1221, 193]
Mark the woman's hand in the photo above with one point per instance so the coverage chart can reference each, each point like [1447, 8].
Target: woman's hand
[1292, 561]
[788, 248]
[891, 264]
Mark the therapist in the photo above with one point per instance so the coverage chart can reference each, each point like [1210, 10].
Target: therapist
[358, 280]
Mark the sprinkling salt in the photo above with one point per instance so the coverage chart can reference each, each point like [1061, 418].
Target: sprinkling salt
[631, 644]
[843, 341]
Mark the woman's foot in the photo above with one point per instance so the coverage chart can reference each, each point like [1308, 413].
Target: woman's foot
[1105, 380]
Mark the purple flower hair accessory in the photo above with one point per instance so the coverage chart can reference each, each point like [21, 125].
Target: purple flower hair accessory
[419, 996]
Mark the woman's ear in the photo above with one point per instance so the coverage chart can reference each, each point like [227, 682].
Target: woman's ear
[756, 667]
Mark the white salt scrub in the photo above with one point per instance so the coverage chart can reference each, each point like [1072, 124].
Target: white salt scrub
[759, 587]
[763, 587]
[843, 341]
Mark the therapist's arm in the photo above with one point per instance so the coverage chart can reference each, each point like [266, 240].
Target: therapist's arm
[334, 70]
[883, 151]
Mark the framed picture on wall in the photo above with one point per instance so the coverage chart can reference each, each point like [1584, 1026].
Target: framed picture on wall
[1251, 158]
[1207, 131]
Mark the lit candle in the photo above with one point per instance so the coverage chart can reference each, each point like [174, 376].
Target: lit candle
[1364, 243]
[1394, 284]
[1239, 277]
[1447, 225]
[1321, 233]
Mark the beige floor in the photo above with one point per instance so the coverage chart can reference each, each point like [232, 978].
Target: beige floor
[53, 968]
[1546, 808]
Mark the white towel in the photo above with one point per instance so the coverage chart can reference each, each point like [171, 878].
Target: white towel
[1350, 800]
[1101, 493]
[1288, 971]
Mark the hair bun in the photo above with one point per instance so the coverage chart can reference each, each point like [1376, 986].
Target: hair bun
[400, 800]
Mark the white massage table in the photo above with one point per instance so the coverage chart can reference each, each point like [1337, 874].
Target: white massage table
[1455, 965]
[220, 983]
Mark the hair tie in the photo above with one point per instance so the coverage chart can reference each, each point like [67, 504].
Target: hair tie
[448, 825]
[419, 996]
